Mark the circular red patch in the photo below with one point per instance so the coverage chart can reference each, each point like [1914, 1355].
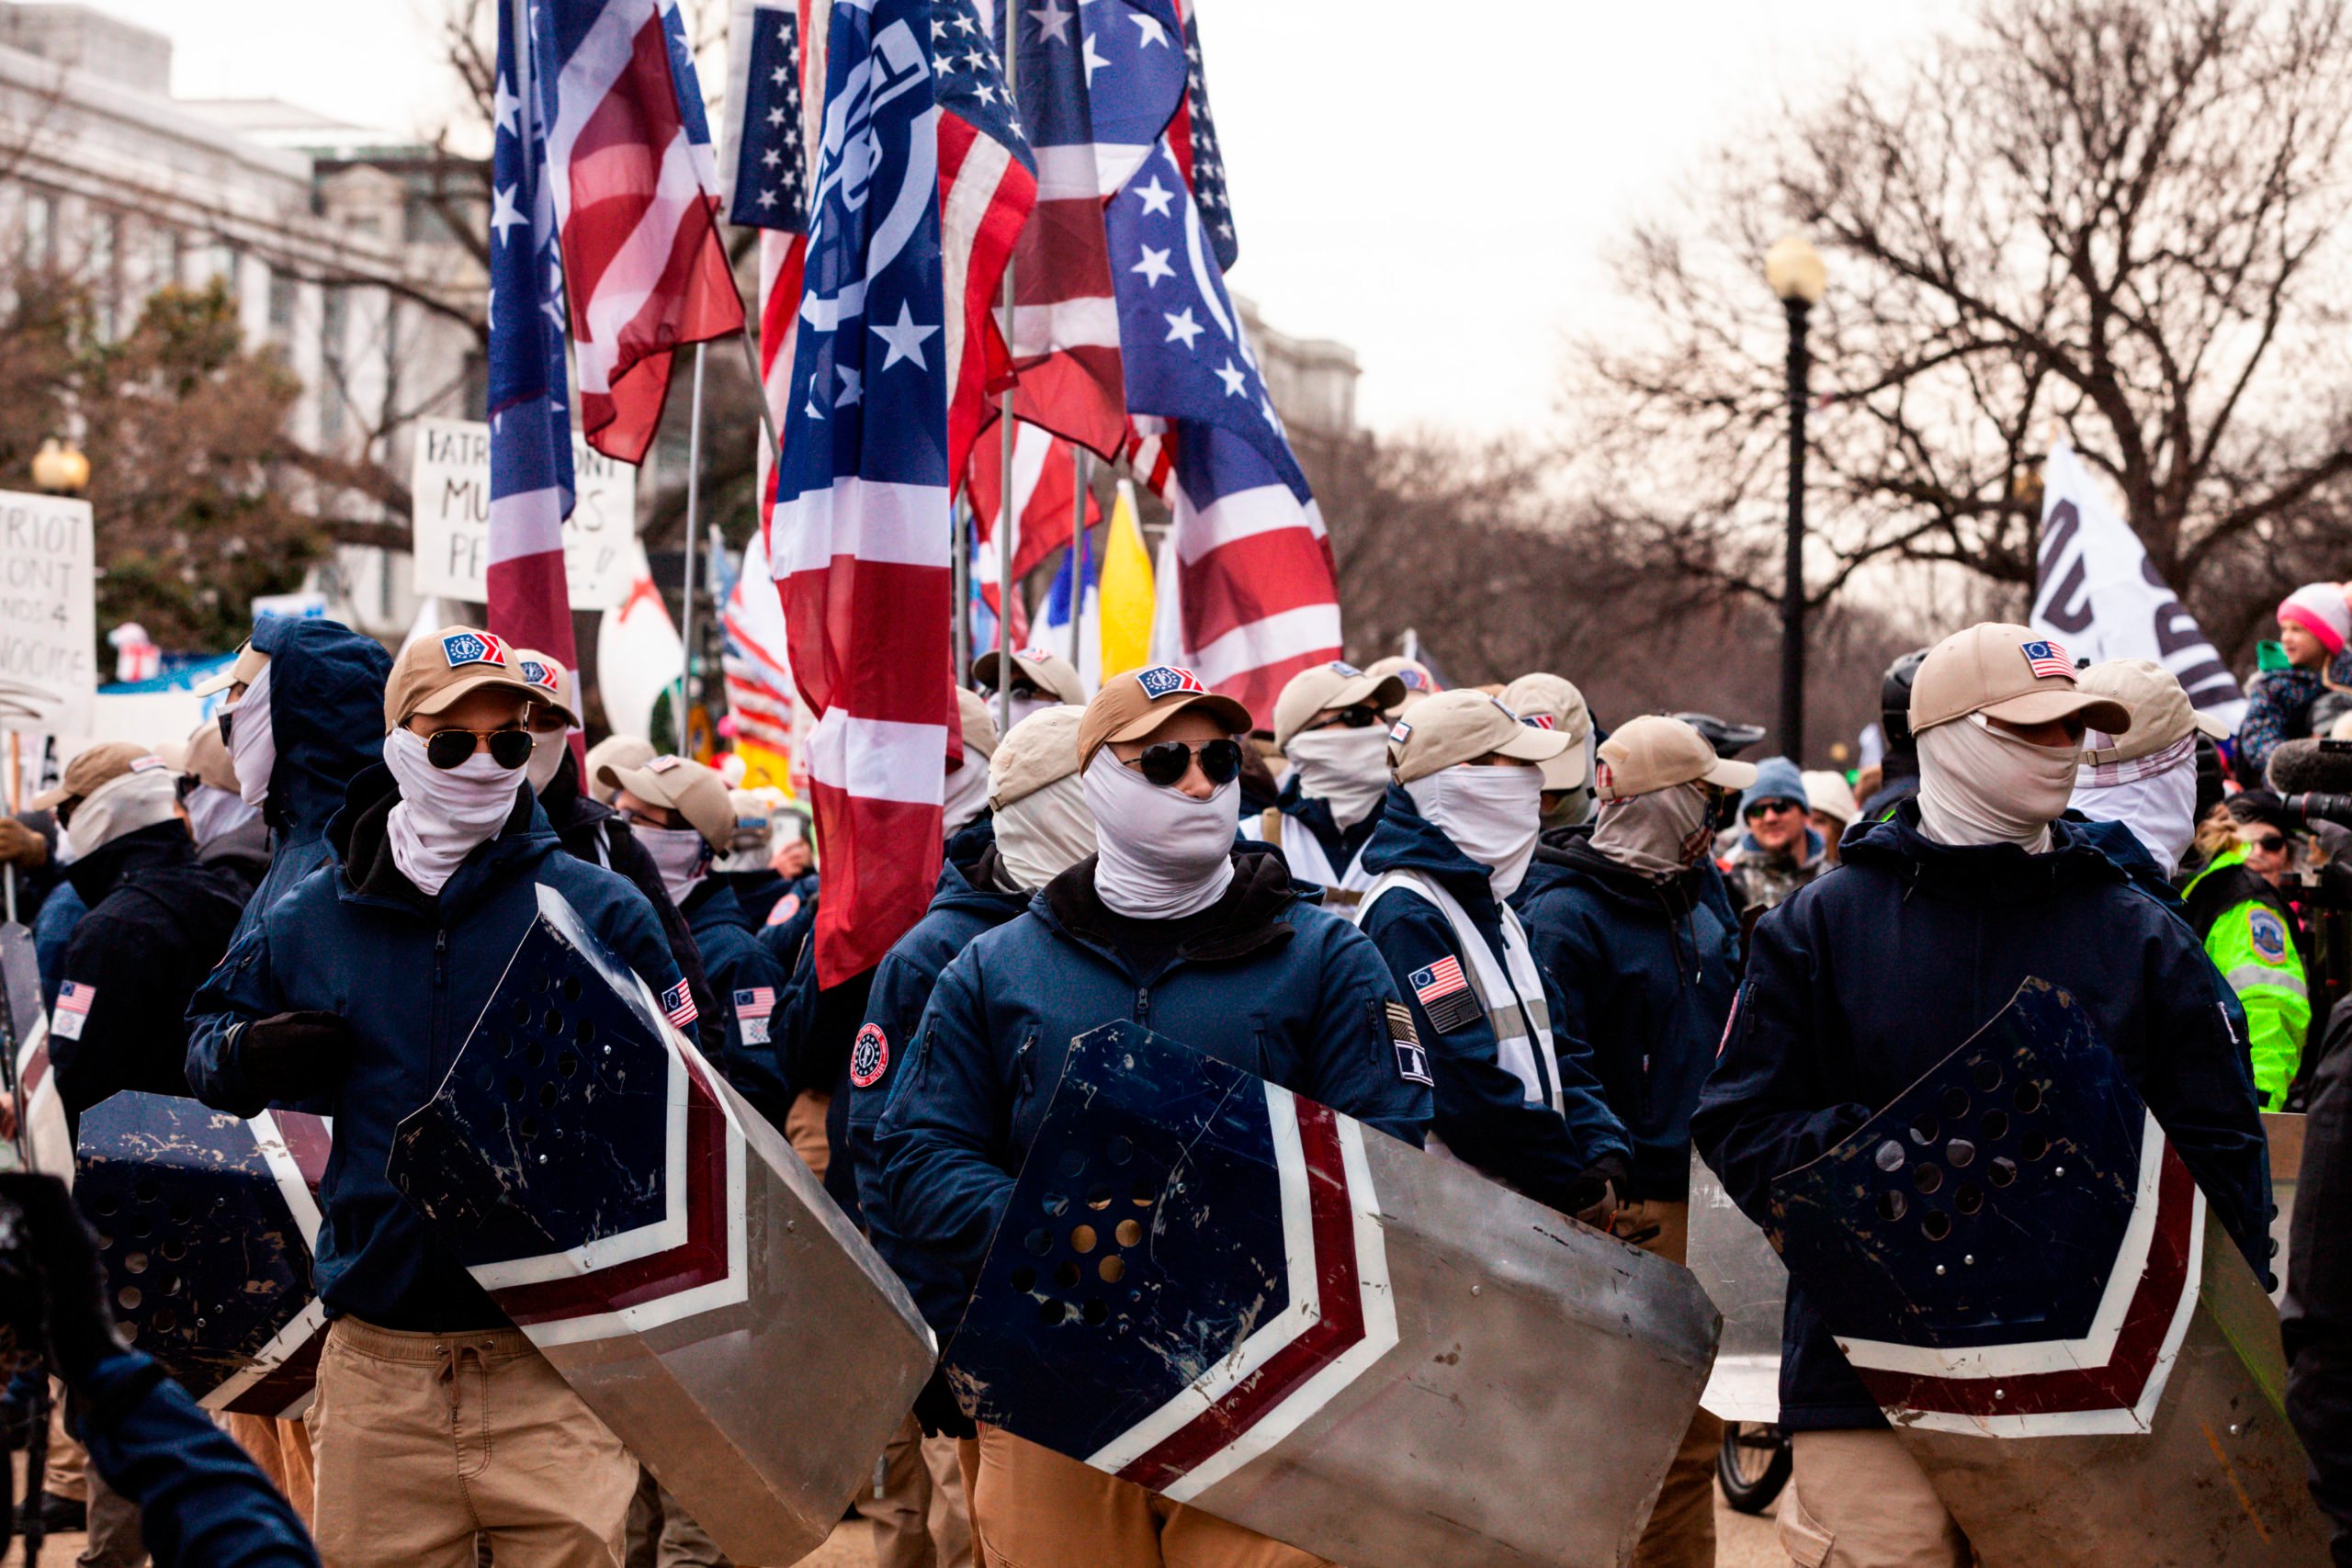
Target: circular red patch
[869, 1059]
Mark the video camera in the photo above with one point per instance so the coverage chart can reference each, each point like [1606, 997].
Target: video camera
[2314, 781]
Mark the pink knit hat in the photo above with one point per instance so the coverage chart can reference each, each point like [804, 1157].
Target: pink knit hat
[2320, 609]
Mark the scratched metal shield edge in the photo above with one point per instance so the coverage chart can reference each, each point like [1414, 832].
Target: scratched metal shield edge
[664, 1248]
[1253, 1304]
[205, 1223]
[2020, 1267]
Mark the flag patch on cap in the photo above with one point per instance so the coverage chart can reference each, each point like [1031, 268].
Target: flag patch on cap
[539, 674]
[678, 1005]
[143, 764]
[869, 1057]
[1445, 995]
[473, 648]
[2047, 659]
[1538, 721]
[663, 765]
[1399, 732]
[1341, 667]
[1168, 680]
[1033, 653]
[1414, 680]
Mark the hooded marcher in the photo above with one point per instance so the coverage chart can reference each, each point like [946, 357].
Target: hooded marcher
[229, 832]
[1834, 809]
[158, 920]
[1513, 1093]
[1777, 849]
[1041, 678]
[1327, 722]
[1898, 775]
[1633, 929]
[743, 865]
[2315, 630]
[1862, 981]
[2235, 904]
[1167, 924]
[357, 990]
[2146, 777]
[1549, 701]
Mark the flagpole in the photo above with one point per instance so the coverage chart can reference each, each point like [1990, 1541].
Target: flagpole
[693, 512]
[959, 620]
[1005, 486]
[1078, 466]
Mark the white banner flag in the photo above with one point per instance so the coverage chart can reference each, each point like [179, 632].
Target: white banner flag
[2095, 593]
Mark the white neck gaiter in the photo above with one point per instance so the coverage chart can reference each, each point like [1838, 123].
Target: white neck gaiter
[1492, 814]
[1346, 769]
[252, 743]
[124, 804]
[213, 811]
[1022, 707]
[682, 854]
[2158, 803]
[1044, 832]
[1660, 834]
[967, 791]
[1163, 855]
[548, 747]
[442, 813]
[1980, 784]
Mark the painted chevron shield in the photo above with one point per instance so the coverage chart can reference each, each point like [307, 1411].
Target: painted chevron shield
[663, 1247]
[2018, 1264]
[1242, 1300]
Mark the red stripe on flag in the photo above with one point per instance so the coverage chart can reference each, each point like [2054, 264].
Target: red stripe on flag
[1251, 579]
[881, 861]
[530, 604]
[838, 662]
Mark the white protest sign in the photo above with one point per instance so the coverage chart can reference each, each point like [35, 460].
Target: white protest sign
[449, 484]
[2096, 593]
[48, 584]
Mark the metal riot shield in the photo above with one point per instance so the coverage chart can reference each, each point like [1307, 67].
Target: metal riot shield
[2017, 1263]
[205, 1223]
[1749, 1285]
[664, 1248]
[1249, 1302]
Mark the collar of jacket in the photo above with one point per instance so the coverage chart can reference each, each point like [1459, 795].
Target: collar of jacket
[710, 902]
[1986, 874]
[1569, 852]
[1250, 914]
[1407, 841]
[357, 834]
[98, 873]
[1339, 844]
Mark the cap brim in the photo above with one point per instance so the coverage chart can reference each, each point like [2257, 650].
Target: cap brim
[1729, 775]
[1226, 710]
[1568, 770]
[984, 670]
[2103, 713]
[48, 798]
[1383, 691]
[442, 700]
[2208, 725]
[243, 669]
[1534, 745]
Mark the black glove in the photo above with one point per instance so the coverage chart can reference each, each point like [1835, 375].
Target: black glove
[71, 1288]
[294, 1055]
[1597, 1191]
[937, 1413]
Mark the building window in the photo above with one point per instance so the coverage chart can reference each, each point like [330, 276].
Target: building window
[106, 294]
[40, 229]
[282, 307]
[334, 319]
[163, 257]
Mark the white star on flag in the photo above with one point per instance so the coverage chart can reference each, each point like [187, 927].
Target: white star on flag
[1181, 326]
[1154, 265]
[1153, 33]
[905, 339]
[852, 386]
[504, 214]
[1156, 197]
[504, 107]
[1053, 21]
[1093, 60]
[1234, 378]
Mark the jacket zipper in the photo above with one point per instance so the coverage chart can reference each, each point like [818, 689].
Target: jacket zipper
[440, 995]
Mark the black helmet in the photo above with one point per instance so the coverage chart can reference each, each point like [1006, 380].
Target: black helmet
[1895, 701]
[1728, 740]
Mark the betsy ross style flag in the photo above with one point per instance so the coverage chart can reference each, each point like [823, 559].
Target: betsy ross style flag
[771, 48]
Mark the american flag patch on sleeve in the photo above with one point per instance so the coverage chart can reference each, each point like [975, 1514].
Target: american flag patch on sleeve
[678, 1005]
[753, 1006]
[1445, 995]
[73, 1009]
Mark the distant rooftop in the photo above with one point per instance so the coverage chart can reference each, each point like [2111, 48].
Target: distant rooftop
[93, 43]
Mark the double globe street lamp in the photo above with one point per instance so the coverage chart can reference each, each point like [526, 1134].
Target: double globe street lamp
[1793, 270]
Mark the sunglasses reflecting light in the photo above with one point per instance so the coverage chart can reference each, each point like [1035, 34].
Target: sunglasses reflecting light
[1167, 764]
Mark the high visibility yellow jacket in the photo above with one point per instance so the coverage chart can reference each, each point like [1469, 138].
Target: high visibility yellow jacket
[2249, 935]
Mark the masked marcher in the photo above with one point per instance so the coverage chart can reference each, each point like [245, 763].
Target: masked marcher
[614, 751]
[1775, 850]
[357, 990]
[2315, 630]
[743, 866]
[2136, 795]
[1553, 703]
[158, 921]
[1168, 925]
[229, 832]
[966, 798]
[1861, 982]
[1416, 677]
[1327, 722]
[2235, 904]
[1041, 678]
[1513, 1093]
[1898, 775]
[1632, 926]
[1834, 809]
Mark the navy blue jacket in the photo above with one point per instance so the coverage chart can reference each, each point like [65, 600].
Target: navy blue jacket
[1646, 971]
[2119, 843]
[410, 975]
[738, 966]
[1273, 984]
[1339, 844]
[757, 891]
[1887, 963]
[201, 1502]
[326, 720]
[1481, 1107]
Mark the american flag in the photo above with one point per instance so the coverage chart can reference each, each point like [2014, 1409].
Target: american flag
[1071, 621]
[982, 581]
[771, 50]
[1194, 138]
[758, 678]
[636, 205]
[75, 997]
[678, 1005]
[1441, 979]
[861, 528]
[2047, 659]
[530, 421]
[1045, 486]
[756, 1002]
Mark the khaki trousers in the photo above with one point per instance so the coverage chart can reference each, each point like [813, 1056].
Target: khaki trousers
[282, 1450]
[1681, 1531]
[1859, 1500]
[1034, 1508]
[69, 1461]
[424, 1440]
[664, 1535]
[918, 1519]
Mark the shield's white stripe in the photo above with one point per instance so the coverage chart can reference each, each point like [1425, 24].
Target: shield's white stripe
[1298, 1243]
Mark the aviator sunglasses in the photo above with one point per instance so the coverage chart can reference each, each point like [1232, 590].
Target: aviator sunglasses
[446, 749]
[1167, 764]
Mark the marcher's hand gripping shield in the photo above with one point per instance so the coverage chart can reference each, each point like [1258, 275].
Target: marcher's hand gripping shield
[2017, 1263]
[664, 1248]
[1244, 1301]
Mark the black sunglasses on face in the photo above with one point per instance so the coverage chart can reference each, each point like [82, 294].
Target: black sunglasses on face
[2269, 843]
[1167, 764]
[1354, 718]
[1775, 809]
[446, 749]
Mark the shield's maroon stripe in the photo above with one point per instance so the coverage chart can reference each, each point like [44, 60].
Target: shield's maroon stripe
[307, 1139]
[701, 1259]
[2115, 1386]
[1339, 1327]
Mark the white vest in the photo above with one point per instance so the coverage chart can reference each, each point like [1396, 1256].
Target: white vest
[1512, 991]
[1303, 852]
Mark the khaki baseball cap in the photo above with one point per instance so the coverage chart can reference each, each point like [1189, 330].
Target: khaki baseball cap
[1321, 687]
[207, 758]
[1033, 753]
[551, 680]
[2161, 716]
[2005, 672]
[1419, 682]
[693, 791]
[1654, 752]
[614, 751]
[441, 667]
[98, 765]
[250, 662]
[1549, 701]
[1456, 726]
[978, 722]
[1131, 705]
[1041, 666]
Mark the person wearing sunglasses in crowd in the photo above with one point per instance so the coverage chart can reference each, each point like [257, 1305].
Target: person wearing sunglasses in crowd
[354, 994]
[1327, 723]
[1172, 925]
[2250, 931]
[1040, 678]
[1774, 851]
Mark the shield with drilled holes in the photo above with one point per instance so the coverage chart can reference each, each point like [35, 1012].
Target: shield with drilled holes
[2017, 1261]
[1244, 1301]
[663, 1247]
[206, 1222]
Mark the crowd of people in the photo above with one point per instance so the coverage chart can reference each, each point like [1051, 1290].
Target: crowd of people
[1472, 918]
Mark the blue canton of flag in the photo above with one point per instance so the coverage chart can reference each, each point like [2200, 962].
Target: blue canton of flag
[2046, 659]
[765, 167]
[1101, 78]
[1208, 161]
[970, 82]
[530, 418]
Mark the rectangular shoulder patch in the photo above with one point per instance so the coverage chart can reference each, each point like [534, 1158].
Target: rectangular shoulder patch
[1412, 1062]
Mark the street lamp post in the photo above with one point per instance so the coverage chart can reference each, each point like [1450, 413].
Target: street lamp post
[1793, 270]
[60, 468]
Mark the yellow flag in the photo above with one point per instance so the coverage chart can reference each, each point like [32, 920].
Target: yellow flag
[1125, 595]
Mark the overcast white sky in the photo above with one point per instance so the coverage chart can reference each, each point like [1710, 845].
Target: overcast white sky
[1438, 187]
